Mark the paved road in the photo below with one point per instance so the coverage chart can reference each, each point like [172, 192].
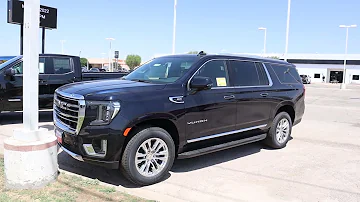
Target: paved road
[320, 163]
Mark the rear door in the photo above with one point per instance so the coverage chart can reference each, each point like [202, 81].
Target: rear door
[252, 93]
[211, 113]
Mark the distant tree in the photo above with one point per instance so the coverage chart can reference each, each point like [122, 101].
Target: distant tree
[83, 62]
[274, 57]
[133, 61]
[195, 52]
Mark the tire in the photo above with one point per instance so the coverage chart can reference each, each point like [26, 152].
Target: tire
[272, 138]
[144, 172]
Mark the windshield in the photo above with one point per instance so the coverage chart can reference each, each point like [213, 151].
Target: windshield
[9, 62]
[162, 70]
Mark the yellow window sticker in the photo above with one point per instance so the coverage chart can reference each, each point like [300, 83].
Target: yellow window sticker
[221, 81]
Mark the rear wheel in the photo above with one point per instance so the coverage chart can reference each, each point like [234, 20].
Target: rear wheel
[148, 156]
[280, 131]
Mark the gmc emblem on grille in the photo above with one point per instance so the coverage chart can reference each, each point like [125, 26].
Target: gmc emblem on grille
[61, 105]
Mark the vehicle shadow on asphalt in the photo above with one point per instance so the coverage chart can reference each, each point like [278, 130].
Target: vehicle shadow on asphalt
[115, 177]
[187, 165]
[7, 118]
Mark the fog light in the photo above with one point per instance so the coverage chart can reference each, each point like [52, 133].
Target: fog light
[100, 152]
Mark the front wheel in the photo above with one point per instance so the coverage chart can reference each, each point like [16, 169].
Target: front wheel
[280, 131]
[148, 156]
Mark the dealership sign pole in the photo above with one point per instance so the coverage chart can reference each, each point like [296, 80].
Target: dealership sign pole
[30, 155]
[48, 19]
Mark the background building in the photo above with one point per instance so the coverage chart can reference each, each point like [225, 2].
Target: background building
[104, 63]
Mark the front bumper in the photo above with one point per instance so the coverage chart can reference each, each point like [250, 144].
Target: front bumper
[106, 164]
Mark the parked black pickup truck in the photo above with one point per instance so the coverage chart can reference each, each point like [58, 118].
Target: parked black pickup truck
[54, 71]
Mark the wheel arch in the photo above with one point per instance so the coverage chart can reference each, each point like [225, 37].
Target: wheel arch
[287, 107]
[164, 121]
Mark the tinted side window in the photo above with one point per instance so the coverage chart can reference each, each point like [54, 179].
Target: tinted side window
[244, 73]
[264, 80]
[286, 74]
[217, 71]
[61, 65]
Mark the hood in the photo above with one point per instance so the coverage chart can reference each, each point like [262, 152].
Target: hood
[108, 89]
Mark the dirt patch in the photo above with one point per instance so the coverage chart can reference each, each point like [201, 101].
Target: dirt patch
[67, 188]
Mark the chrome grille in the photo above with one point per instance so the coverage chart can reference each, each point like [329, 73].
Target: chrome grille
[69, 111]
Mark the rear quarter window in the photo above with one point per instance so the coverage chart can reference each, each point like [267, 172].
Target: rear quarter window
[286, 74]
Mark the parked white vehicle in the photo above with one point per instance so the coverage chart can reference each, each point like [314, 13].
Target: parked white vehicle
[306, 79]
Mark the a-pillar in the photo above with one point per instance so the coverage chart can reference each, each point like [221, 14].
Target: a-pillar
[30, 155]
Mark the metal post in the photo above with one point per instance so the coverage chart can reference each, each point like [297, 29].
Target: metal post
[265, 42]
[31, 60]
[43, 41]
[21, 39]
[174, 28]
[287, 31]
[110, 65]
[343, 84]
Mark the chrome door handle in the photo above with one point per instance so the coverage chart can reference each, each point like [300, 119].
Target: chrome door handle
[264, 94]
[229, 97]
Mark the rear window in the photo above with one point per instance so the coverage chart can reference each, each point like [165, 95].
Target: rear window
[244, 73]
[286, 74]
[61, 65]
[248, 74]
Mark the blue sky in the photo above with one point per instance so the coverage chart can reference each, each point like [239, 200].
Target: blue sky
[145, 27]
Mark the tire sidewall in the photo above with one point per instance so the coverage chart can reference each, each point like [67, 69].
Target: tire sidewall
[142, 136]
[272, 131]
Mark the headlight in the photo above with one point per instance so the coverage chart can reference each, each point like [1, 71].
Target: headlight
[106, 111]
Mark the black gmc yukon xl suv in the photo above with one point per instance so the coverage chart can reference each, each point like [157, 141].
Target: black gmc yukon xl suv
[178, 106]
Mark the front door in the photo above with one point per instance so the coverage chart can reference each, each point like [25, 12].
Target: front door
[210, 113]
[13, 100]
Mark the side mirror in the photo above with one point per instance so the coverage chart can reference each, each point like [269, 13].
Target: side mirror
[10, 72]
[201, 83]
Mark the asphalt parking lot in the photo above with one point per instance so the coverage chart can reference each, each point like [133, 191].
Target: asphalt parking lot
[320, 163]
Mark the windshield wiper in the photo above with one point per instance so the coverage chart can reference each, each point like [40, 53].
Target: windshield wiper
[140, 80]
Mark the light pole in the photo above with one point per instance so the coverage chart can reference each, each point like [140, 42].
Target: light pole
[102, 60]
[287, 31]
[343, 84]
[263, 28]
[174, 28]
[62, 46]
[110, 65]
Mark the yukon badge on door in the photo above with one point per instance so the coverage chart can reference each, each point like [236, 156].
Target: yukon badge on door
[196, 122]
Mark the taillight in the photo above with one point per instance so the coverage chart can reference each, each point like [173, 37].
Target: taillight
[304, 89]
